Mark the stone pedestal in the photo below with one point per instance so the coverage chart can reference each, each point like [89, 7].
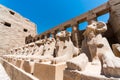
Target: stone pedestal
[16, 73]
[25, 65]
[9, 59]
[91, 72]
[49, 71]
[13, 61]
[18, 63]
[79, 75]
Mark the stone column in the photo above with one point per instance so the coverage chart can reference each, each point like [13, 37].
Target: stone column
[53, 34]
[42, 36]
[75, 35]
[115, 17]
[91, 17]
[46, 36]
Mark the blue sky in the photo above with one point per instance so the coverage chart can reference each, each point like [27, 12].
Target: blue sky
[47, 14]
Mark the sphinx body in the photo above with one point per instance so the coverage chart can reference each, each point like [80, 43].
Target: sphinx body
[66, 49]
[97, 49]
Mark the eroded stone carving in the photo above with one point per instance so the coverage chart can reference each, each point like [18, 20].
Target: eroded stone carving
[96, 59]
[40, 47]
[95, 51]
[116, 49]
[78, 63]
[49, 48]
[66, 49]
[100, 48]
[97, 48]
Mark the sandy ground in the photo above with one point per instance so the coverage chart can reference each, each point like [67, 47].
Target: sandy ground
[3, 74]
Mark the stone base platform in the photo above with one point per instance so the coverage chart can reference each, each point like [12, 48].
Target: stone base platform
[43, 70]
[25, 65]
[19, 63]
[92, 72]
[16, 73]
[49, 71]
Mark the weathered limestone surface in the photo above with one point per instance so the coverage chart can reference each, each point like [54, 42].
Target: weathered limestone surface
[49, 71]
[16, 73]
[116, 49]
[46, 51]
[78, 63]
[66, 49]
[40, 48]
[115, 17]
[49, 47]
[104, 65]
[76, 75]
[13, 29]
[91, 59]
[75, 35]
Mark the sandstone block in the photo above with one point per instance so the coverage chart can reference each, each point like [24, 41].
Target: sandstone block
[18, 63]
[16, 73]
[13, 29]
[28, 66]
[75, 75]
[49, 71]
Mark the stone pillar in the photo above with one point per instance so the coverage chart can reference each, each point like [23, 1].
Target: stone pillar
[75, 35]
[115, 17]
[91, 17]
[53, 34]
[42, 36]
[46, 36]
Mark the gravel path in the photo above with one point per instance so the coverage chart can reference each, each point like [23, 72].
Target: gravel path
[3, 74]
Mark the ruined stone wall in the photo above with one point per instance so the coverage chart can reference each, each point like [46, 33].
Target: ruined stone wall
[13, 29]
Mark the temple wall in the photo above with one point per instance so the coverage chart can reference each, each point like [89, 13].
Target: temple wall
[13, 29]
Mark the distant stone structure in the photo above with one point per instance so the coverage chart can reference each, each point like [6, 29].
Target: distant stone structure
[13, 30]
[111, 7]
[90, 54]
